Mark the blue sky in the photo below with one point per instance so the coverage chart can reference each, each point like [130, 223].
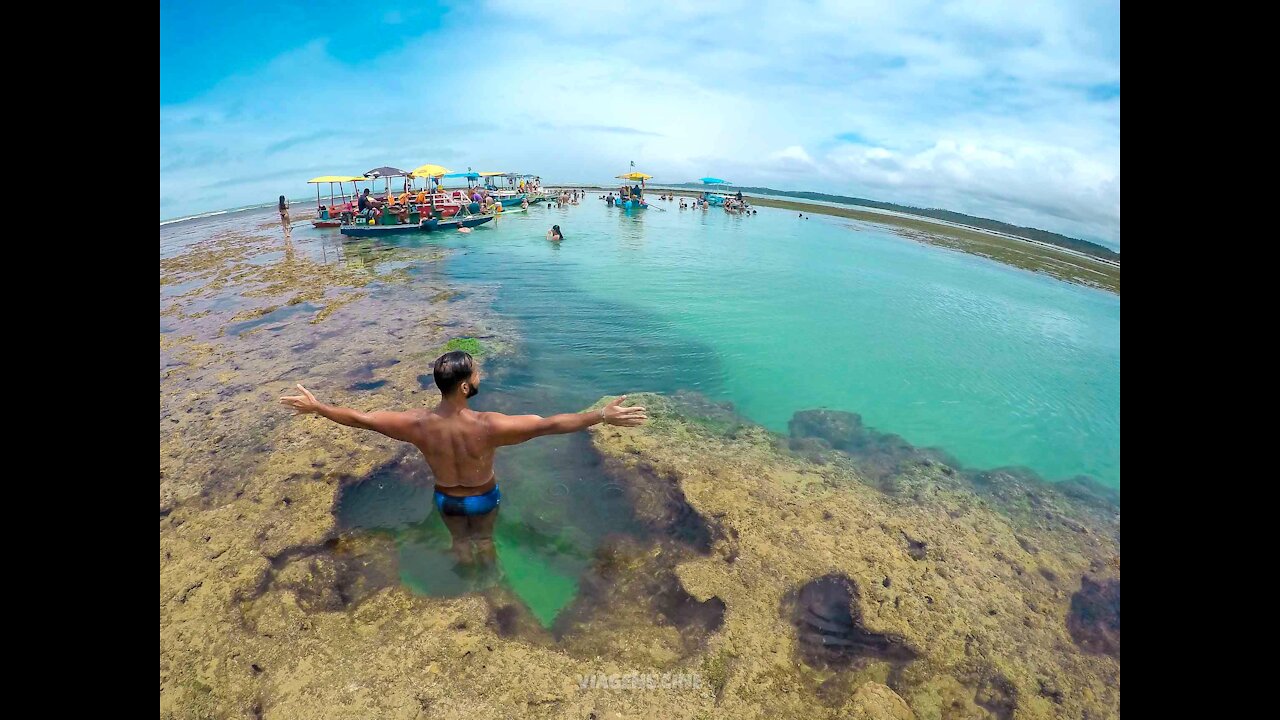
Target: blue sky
[1008, 110]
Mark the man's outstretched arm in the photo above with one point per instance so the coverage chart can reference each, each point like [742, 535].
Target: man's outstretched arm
[396, 425]
[515, 429]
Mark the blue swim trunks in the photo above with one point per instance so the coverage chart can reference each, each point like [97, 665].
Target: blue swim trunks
[473, 505]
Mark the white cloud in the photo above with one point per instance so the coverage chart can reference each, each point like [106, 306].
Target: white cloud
[1043, 186]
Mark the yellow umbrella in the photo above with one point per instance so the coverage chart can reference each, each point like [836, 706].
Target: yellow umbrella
[635, 176]
[429, 171]
[490, 174]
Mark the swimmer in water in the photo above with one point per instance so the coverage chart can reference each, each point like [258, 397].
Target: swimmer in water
[463, 229]
[554, 234]
[459, 444]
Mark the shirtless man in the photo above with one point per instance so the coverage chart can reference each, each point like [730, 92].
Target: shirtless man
[458, 443]
[369, 206]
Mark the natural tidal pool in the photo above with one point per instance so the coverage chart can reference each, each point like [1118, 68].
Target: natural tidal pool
[773, 314]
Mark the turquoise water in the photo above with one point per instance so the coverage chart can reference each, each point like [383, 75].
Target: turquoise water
[556, 510]
[998, 366]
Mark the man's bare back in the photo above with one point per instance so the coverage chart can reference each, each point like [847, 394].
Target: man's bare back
[459, 443]
[459, 448]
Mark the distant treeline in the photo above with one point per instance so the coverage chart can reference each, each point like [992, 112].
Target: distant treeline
[1044, 236]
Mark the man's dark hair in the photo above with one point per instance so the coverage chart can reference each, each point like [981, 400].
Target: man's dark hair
[452, 369]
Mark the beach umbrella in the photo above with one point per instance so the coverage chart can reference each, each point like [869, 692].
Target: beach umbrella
[387, 173]
[430, 171]
[715, 181]
[636, 176]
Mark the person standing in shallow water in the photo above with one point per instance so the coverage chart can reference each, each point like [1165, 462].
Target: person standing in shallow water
[459, 444]
[284, 217]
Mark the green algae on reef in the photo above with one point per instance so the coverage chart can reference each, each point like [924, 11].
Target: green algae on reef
[468, 345]
[980, 600]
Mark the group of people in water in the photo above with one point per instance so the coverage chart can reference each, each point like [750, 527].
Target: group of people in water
[625, 194]
[569, 197]
[481, 199]
[733, 204]
[564, 197]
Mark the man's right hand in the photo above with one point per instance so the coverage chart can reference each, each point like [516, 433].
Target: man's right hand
[615, 414]
[303, 404]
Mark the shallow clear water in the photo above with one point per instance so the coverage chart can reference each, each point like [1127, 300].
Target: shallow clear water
[998, 366]
[557, 507]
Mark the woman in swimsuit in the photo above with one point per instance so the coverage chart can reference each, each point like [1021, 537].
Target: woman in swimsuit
[284, 217]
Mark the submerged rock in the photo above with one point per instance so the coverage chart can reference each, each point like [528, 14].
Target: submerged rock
[878, 456]
[828, 622]
[1094, 620]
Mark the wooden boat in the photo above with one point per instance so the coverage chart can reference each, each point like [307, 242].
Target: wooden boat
[624, 200]
[384, 230]
[456, 223]
[509, 196]
[631, 204]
